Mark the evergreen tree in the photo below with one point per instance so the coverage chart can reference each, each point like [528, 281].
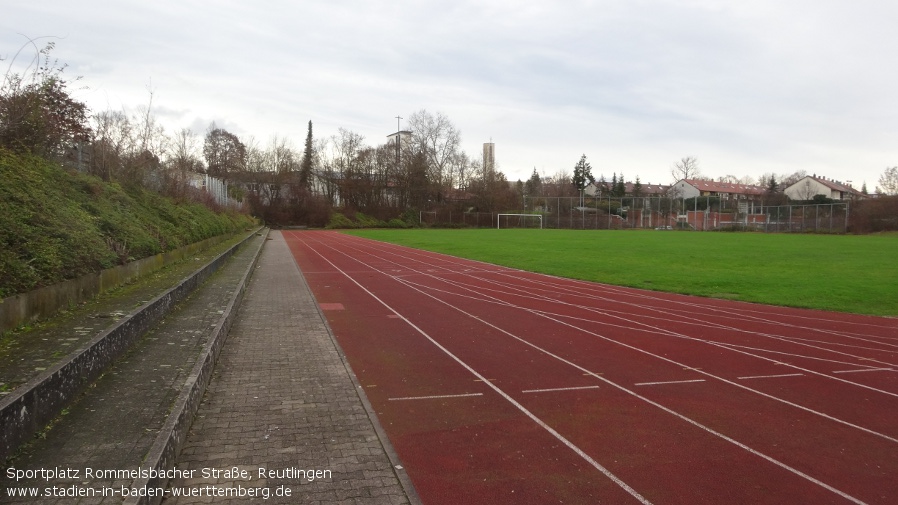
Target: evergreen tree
[305, 167]
[602, 185]
[582, 174]
[533, 186]
[637, 188]
[620, 190]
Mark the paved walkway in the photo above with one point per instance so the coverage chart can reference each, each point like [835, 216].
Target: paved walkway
[283, 399]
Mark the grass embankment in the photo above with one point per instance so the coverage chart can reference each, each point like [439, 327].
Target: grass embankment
[848, 273]
[57, 225]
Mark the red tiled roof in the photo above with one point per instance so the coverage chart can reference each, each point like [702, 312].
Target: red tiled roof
[835, 185]
[726, 187]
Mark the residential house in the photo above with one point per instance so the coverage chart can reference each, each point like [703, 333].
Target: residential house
[811, 185]
[691, 188]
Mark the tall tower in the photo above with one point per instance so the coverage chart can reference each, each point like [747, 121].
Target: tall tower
[489, 156]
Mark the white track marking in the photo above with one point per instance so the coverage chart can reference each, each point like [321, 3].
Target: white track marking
[690, 319]
[436, 397]
[667, 382]
[771, 376]
[655, 329]
[595, 464]
[558, 389]
[552, 316]
[728, 312]
[667, 314]
[867, 370]
[603, 379]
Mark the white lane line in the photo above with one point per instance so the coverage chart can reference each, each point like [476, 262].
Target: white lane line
[558, 436]
[434, 397]
[659, 330]
[771, 376]
[613, 384]
[867, 370]
[667, 382]
[636, 395]
[559, 389]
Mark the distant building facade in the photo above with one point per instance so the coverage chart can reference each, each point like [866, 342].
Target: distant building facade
[810, 186]
[691, 188]
[489, 156]
[400, 138]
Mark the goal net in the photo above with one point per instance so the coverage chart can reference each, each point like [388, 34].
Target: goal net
[519, 221]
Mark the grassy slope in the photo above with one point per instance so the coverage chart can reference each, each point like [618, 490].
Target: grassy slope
[56, 225]
[833, 272]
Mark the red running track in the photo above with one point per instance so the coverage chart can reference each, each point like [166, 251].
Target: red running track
[502, 386]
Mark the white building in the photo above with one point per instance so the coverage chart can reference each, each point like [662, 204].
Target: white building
[489, 156]
[810, 186]
[403, 137]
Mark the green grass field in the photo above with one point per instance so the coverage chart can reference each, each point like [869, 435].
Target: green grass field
[847, 273]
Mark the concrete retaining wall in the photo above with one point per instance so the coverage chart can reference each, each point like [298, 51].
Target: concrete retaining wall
[44, 302]
[34, 404]
[164, 453]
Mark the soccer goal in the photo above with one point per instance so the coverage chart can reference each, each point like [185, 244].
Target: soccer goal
[518, 221]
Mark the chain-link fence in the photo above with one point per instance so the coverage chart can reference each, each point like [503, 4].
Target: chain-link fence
[662, 213]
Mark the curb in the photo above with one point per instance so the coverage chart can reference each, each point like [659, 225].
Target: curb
[168, 444]
[34, 404]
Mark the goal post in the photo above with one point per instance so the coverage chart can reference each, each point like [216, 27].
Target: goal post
[518, 221]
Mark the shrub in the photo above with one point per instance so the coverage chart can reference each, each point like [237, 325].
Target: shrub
[368, 221]
[339, 221]
[56, 225]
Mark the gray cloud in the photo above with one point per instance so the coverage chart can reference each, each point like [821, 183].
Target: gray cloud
[747, 87]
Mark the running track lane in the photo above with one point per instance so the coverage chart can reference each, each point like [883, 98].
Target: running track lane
[500, 386]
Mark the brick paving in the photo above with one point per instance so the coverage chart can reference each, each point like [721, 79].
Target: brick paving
[282, 398]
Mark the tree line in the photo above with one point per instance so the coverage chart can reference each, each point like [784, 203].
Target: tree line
[418, 168]
[423, 165]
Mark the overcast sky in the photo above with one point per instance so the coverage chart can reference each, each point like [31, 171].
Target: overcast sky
[745, 87]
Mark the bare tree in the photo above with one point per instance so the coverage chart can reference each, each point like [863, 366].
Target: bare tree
[281, 157]
[224, 152]
[183, 153]
[255, 156]
[182, 159]
[112, 142]
[326, 178]
[732, 179]
[807, 190]
[686, 168]
[559, 184]
[439, 140]
[788, 180]
[150, 135]
[888, 182]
